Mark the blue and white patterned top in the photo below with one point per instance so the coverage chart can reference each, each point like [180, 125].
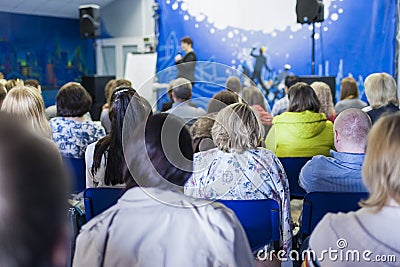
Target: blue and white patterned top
[72, 137]
[254, 174]
[280, 106]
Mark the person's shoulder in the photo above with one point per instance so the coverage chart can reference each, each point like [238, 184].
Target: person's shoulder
[330, 229]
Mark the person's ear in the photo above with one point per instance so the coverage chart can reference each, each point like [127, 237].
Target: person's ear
[337, 137]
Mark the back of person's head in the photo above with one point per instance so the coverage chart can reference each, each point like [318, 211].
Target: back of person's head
[233, 84]
[10, 84]
[291, 80]
[324, 95]
[182, 89]
[381, 90]
[253, 96]
[352, 127]
[159, 153]
[108, 89]
[33, 83]
[381, 167]
[169, 89]
[187, 40]
[348, 88]
[33, 196]
[302, 97]
[26, 103]
[126, 107]
[122, 83]
[221, 100]
[237, 128]
[3, 93]
[73, 100]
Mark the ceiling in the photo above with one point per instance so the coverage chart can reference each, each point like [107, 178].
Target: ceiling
[54, 8]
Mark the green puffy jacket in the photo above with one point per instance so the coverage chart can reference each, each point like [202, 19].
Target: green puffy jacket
[300, 134]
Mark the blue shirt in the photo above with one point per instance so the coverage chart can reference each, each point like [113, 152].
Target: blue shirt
[339, 173]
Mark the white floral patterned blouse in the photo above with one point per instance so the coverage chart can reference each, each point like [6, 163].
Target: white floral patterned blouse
[254, 174]
[72, 137]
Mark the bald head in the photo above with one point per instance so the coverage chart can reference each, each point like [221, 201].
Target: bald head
[351, 131]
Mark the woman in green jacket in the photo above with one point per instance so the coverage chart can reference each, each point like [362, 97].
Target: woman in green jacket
[302, 131]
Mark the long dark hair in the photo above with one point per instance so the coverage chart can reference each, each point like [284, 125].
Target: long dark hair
[124, 101]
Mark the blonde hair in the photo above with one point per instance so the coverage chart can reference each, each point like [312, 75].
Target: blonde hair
[10, 84]
[381, 90]
[323, 92]
[381, 167]
[237, 128]
[27, 104]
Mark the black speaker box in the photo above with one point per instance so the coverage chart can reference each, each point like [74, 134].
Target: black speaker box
[329, 80]
[309, 11]
[89, 21]
[95, 86]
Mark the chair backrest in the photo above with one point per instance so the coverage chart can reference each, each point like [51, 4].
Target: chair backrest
[76, 170]
[259, 218]
[317, 204]
[99, 199]
[292, 168]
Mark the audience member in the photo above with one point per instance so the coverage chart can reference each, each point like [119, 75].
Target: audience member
[282, 104]
[33, 196]
[324, 94]
[372, 228]
[26, 103]
[201, 129]
[349, 96]
[33, 83]
[342, 171]
[238, 168]
[71, 131]
[110, 87]
[167, 105]
[181, 94]
[302, 131]
[130, 233]
[10, 84]
[3, 93]
[381, 91]
[105, 159]
[233, 84]
[108, 90]
[253, 97]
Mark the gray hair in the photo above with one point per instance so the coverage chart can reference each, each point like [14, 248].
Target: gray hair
[253, 96]
[237, 128]
[381, 90]
[233, 84]
[323, 92]
[182, 88]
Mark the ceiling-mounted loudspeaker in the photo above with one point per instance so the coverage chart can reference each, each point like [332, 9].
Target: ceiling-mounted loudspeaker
[309, 11]
[89, 21]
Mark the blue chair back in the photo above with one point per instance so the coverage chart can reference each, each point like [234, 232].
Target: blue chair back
[292, 168]
[259, 218]
[76, 170]
[99, 199]
[317, 204]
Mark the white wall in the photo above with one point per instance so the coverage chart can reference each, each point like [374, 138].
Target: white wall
[128, 18]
